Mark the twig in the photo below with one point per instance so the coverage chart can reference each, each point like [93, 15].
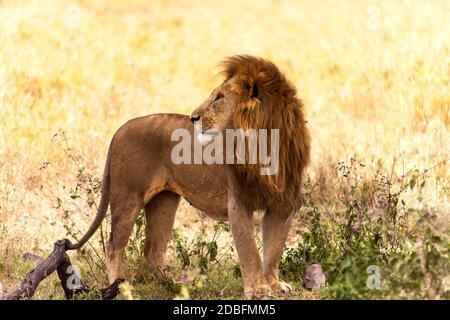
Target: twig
[59, 261]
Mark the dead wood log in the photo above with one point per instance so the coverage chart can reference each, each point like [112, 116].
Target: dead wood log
[70, 280]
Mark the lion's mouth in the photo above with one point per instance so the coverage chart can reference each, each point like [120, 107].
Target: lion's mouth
[206, 131]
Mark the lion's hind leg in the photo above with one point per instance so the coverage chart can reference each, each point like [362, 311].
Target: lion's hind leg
[124, 212]
[160, 215]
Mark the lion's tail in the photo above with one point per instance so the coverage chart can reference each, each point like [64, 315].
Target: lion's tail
[101, 211]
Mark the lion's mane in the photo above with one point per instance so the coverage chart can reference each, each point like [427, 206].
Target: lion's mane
[269, 101]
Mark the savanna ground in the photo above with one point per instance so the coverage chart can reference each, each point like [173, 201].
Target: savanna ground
[374, 77]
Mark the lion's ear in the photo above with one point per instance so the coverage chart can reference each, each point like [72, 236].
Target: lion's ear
[255, 91]
[252, 89]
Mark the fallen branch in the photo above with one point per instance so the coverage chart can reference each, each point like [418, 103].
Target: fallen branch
[32, 257]
[70, 280]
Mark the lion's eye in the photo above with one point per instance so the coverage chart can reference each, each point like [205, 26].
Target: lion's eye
[218, 97]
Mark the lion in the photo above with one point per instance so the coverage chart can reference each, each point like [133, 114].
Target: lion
[139, 173]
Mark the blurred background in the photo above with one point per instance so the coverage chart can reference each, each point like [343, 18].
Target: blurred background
[374, 77]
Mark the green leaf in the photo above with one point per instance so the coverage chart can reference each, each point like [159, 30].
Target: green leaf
[347, 262]
[212, 247]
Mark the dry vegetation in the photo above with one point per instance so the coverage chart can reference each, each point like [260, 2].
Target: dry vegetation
[374, 77]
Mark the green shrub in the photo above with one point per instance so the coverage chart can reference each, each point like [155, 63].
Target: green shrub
[385, 250]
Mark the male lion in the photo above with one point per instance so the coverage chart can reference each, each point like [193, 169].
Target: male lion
[139, 174]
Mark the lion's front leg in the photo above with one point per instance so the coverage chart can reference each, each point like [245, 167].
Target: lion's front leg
[242, 229]
[275, 228]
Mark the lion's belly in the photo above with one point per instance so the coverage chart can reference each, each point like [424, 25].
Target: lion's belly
[204, 187]
[214, 208]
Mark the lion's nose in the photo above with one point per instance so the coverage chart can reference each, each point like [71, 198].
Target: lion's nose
[195, 117]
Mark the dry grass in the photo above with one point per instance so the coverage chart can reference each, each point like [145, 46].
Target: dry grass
[374, 77]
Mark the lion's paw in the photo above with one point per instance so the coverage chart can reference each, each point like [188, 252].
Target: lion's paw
[281, 287]
[257, 292]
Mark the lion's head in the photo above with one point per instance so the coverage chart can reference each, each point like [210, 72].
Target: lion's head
[256, 95]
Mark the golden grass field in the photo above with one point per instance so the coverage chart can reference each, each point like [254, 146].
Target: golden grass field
[374, 77]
